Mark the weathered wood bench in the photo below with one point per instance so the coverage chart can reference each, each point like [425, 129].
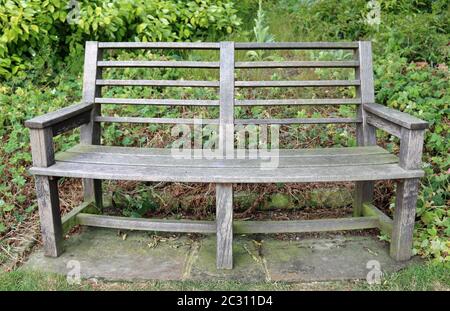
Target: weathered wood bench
[363, 164]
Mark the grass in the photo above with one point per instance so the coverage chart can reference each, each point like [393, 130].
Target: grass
[414, 278]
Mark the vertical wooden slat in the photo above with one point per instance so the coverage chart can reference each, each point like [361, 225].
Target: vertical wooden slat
[411, 144]
[47, 192]
[224, 192]
[224, 223]
[365, 133]
[226, 134]
[91, 132]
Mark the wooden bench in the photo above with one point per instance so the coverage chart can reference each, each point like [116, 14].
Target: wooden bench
[363, 164]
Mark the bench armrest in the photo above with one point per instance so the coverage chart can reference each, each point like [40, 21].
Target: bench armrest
[44, 128]
[397, 117]
[409, 129]
[64, 116]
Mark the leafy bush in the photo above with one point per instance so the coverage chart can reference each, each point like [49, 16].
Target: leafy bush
[27, 24]
[422, 91]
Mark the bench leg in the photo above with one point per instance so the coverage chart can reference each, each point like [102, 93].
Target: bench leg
[48, 202]
[92, 192]
[224, 222]
[404, 216]
[363, 194]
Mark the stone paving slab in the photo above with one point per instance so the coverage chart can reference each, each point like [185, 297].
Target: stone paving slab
[103, 254]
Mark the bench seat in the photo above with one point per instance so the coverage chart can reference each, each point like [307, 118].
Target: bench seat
[294, 165]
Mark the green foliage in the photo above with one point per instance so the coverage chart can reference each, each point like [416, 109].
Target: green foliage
[422, 91]
[27, 24]
[261, 32]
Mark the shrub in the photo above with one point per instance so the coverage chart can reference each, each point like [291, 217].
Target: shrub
[27, 24]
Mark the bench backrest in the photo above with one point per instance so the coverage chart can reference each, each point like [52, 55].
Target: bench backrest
[362, 82]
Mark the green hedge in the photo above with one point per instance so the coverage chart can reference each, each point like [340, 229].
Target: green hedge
[28, 24]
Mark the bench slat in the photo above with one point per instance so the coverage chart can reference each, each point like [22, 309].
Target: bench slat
[158, 64]
[161, 102]
[297, 121]
[299, 83]
[160, 45]
[298, 153]
[295, 45]
[228, 175]
[297, 64]
[239, 227]
[155, 160]
[154, 120]
[174, 83]
[283, 102]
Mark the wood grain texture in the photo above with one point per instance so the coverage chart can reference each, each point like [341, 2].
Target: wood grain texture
[49, 215]
[160, 45]
[411, 146]
[154, 120]
[283, 102]
[227, 174]
[42, 149]
[167, 160]
[164, 225]
[158, 102]
[159, 83]
[69, 220]
[365, 91]
[363, 194]
[224, 226]
[226, 117]
[158, 64]
[297, 83]
[397, 117]
[384, 125]
[296, 45]
[59, 116]
[304, 152]
[303, 226]
[296, 64]
[385, 223]
[90, 133]
[297, 121]
[404, 217]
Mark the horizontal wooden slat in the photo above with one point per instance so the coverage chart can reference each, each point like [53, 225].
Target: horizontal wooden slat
[180, 161]
[297, 64]
[283, 102]
[160, 45]
[161, 102]
[384, 125]
[297, 153]
[228, 175]
[396, 117]
[154, 120]
[295, 45]
[239, 65]
[306, 83]
[175, 83]
[157, 64]
[128, 223]
[239, 227]
[297, 121]
[303, 226]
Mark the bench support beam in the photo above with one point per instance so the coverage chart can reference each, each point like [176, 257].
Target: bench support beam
[224, 225]
[47, 191]
[91, 132]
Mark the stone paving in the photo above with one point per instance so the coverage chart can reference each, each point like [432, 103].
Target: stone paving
[105, 254]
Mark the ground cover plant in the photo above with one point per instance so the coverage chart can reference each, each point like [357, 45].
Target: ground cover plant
[41, 55]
